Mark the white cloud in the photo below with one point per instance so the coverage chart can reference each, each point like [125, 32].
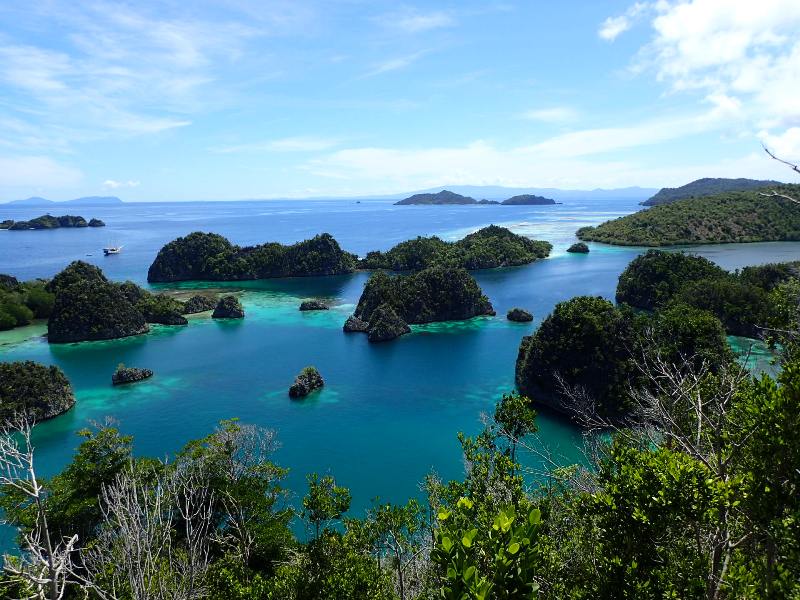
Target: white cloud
[613, 27]
[394, 64]
[554, 114]
[113, 184]
[36, 172]
[419, 22]
[288, 144]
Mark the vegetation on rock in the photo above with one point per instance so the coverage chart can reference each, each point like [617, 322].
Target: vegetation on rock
[50, 222]
[708, 186]
[579, 247]
[385, 325]
[125, 374]
[198, 303]
[306, 382]
[32, 390]
[443, 197]
[353, 324]
[208, 256]
[313, 305]
[519, 315]
[486, 248]
[724, 218]
[528, 199]
[20, 303]
[228, 307]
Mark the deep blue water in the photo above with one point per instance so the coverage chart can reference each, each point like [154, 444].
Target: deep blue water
[389, 413]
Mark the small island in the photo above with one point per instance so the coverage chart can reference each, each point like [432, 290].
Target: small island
[211, 257]
[306, 382]
[729, 217]
[308, 305]
[578, 248]
[228, 307]
[197, 304]
[448, 198]
[708, 186]
[32, 390]
[50, 222]
[125, 375]
[487, 248]
[519, 315]
[389, 304]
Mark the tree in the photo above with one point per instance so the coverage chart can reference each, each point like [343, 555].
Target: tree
[325, 501]
[514, 418]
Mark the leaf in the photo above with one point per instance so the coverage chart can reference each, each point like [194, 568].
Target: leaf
[535, 517]
[513, 548]
[469, 573]
[443, 515]
[447, 543]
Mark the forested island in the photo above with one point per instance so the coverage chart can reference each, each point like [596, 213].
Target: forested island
[389, 304]
[446, 197]
[486, 248]
[22, 302]
[708, 186]
[724, 218]
[51, 222]
[211, 257]
[33, 391]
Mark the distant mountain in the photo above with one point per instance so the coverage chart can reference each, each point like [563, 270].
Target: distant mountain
[708, 186]
[84, 201]
[528, 199]
[496, 192]
[443, 197]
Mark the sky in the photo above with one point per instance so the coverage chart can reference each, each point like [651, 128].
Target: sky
[233, 99]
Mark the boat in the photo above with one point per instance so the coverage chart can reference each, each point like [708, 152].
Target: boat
[112, 250]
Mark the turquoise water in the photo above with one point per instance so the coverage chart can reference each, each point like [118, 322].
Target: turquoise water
[389, 413]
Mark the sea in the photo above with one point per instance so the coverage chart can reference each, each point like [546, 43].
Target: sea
[389, 414]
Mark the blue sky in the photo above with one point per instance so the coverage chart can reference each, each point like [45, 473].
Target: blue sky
[174, 100]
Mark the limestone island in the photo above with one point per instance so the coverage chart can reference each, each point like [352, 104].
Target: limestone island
[35, 391]
[528, 200]
[125, 375]
[50, 222]
[519, 315]
[197, 304]
[446, 197]
[307, 305]
[306, 382]
[487, 248]
[389, 304]
[729, 217]
[578, 248]
[89, 307]
[228, 307]
[211, 257]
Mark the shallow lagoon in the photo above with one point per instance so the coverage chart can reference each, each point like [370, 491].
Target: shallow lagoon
[389, 413]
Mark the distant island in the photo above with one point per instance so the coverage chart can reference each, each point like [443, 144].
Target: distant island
[211, 257]
[724, 218]
[51, 222]
[486, 248]
[447, 197]
[85, 200]
[708, 186]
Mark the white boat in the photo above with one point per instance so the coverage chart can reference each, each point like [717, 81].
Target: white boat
[112, 250]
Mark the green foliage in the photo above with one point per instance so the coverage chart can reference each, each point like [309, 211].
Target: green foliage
[515, 418]
[433, 294]
[20, 303]
[685, 335]
[487, 248]
[208, 256]
[724, 218]
[707, 186]
[49, 222]
[740, 307]
[36, 391]
[483, 563]
[325, 502]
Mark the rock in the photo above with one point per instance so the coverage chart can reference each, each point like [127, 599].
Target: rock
[89, 307]
[579, 247]
[8, 282]
[354, 324]
[6, 224]
[198, 304]
[306, 382]
[520, 315]
[228, 307]
[125, 374]
[96, 223]
[37, 391]
[385, 325]
[313, 305]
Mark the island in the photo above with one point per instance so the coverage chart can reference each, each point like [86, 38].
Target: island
[729, 217]
[528, 200]
[211, 257]
[708, 186]
[228, 307]
[306, 382]
[519, 315]
[578, 248]
[389, 303]
[487, 248]
[32, 390]
[6, 224]
[446, 197]
[307, 305]
[22, 302]
[89, 307]
[197, 304]
[51, 222]
[125, 375]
